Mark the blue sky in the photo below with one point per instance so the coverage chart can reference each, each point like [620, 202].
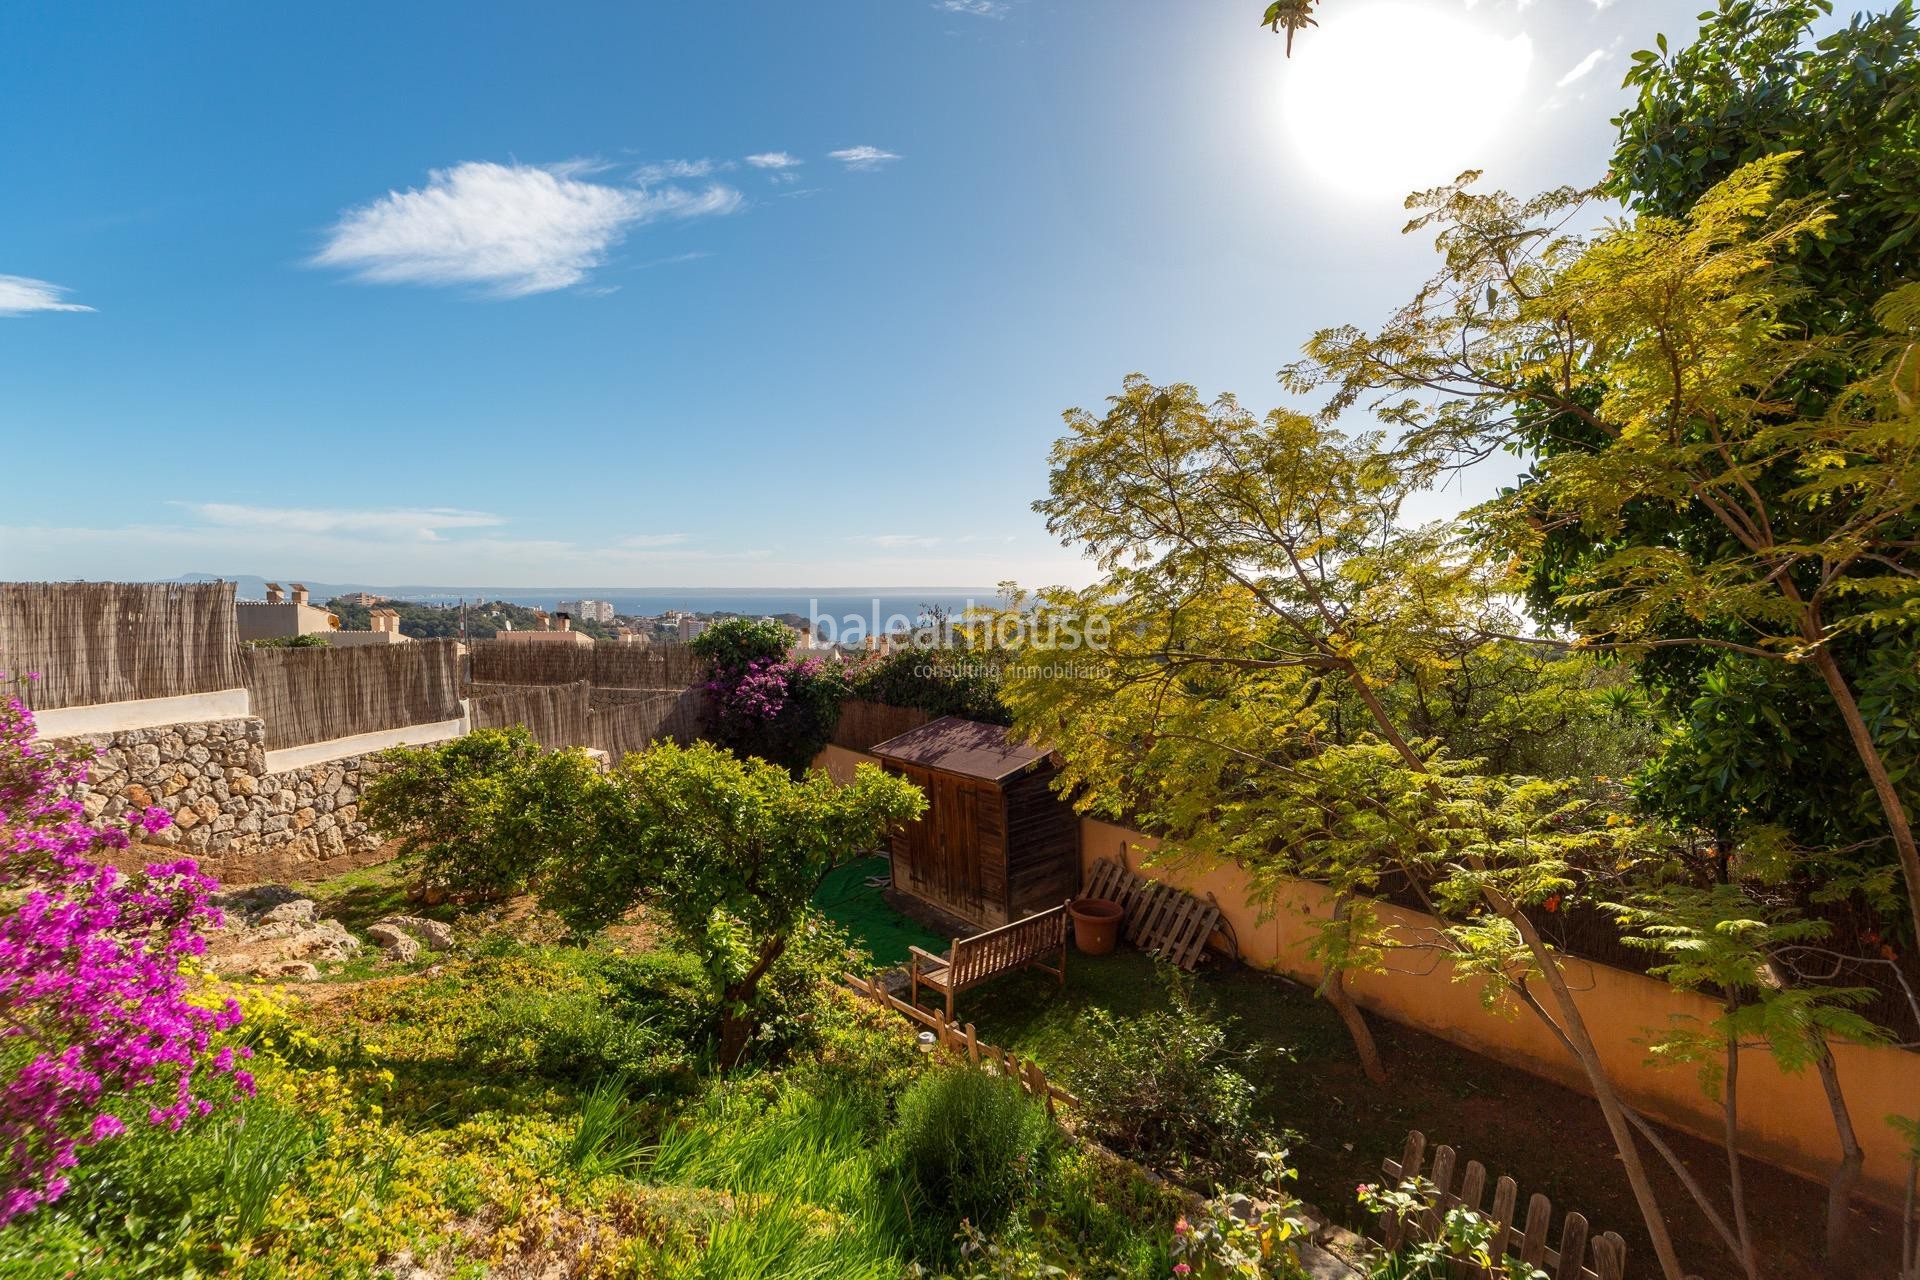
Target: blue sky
[678, 294]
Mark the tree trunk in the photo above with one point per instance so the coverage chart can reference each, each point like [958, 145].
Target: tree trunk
[1730, 1128]
[736, 1004]
[1333, 989]
[1847, 1175]
[1575, 1030]
[1898, 823]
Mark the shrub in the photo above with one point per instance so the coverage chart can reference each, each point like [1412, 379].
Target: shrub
[480, 815]
[940, 682]
[970, 1145]
[735, 643]
[97, 1007]
[1165, 1088]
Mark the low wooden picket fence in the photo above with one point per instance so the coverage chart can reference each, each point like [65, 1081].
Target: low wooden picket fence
[962, 1041]
[1529, 1244]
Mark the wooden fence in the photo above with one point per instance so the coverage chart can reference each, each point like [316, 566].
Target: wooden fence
[1530, 1246]
[607, 663]
[94, 642]
[315, 695]
[961, 1041]
[862, 724]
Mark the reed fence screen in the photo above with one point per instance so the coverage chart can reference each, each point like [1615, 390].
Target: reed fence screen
[94, 642]
[315, 695]
[863, 724]
[607, 664]
[620, 729]
[557, 715]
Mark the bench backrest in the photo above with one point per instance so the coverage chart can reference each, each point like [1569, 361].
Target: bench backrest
[1009, 946]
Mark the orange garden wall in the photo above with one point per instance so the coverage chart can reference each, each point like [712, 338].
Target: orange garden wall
[1784, 1118]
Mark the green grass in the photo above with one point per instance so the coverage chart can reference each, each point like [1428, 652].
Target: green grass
[846, 899]
[812, 1191]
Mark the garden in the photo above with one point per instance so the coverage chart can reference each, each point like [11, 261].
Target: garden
[1651, 706]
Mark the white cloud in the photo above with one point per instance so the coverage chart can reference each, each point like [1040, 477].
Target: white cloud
[642, 540]
[510, 230]
[862, 157]
[978, 8]
[648, 175]
[423, 523]
[1602, 5]
[21, 294]
[1581, 68]
[773, 160]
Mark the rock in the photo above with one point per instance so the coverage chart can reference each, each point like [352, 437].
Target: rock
[303, 818]
[328, 940]
[138, 796]
[186, 819]
[294, 911]
[437, 936]
[404, 951]
[245, 784]
[299, 970]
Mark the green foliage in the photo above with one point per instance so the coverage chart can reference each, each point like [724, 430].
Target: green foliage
[1463, 1235]
[480, 815]
[734, 643]
[309, 640]
[1755, 83]
[729, 852]
[941, 682]
[610, 1137]
[1724, 941]
[1166, 1088]
[1247, 1237]
[972, 1145]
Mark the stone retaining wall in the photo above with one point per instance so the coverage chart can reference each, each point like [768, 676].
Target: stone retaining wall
[240, 822]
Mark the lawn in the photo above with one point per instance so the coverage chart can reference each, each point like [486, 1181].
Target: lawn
[1549, 1139]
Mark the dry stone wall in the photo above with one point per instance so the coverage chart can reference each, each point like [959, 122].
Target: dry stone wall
[240, 822]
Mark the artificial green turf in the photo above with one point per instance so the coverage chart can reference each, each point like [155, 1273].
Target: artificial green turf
[845, 898]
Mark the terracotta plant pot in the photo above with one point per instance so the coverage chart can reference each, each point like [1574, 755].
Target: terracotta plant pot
[1096, 925]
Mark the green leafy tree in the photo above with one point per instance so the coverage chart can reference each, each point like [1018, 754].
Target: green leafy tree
[482, 815]
[1725, 941]
[1723, 519]
[729, 851]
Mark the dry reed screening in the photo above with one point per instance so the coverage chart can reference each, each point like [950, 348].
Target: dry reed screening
[862, 724]
[95, 642]
[607, 664]
[317, 695]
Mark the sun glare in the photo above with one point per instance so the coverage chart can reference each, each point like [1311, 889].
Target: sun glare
[1382, 99]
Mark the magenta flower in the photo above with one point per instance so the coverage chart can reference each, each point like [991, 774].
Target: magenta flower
[91, 977]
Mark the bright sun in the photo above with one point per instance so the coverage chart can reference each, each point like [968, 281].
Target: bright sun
[1381, 99]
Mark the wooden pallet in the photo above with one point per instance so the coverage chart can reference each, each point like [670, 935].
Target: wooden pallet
[1160, 918]
[1529, 1244]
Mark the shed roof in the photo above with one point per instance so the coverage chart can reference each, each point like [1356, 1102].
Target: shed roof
[965, 747]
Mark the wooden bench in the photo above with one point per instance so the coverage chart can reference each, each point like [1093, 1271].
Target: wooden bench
[985, 956]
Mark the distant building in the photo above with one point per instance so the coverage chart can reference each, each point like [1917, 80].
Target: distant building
[688, 626]
[589, 610]
[385, 630]
[283, 615]
[548, 634]
[362, 598]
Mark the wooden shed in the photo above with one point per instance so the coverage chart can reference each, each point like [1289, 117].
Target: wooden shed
[995, 843]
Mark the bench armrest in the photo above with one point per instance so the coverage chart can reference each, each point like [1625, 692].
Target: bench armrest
[918, 955]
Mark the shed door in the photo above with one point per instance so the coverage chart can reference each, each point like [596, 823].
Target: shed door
[956, 837]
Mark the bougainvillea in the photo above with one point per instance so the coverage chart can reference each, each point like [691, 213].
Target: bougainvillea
[760, 703]
[97, 1019]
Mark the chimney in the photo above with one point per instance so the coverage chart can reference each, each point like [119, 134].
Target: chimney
[274, 594]
[540, 616]
[566, 620]
[299, 593]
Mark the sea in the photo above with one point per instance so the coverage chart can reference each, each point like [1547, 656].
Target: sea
[855, 611]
